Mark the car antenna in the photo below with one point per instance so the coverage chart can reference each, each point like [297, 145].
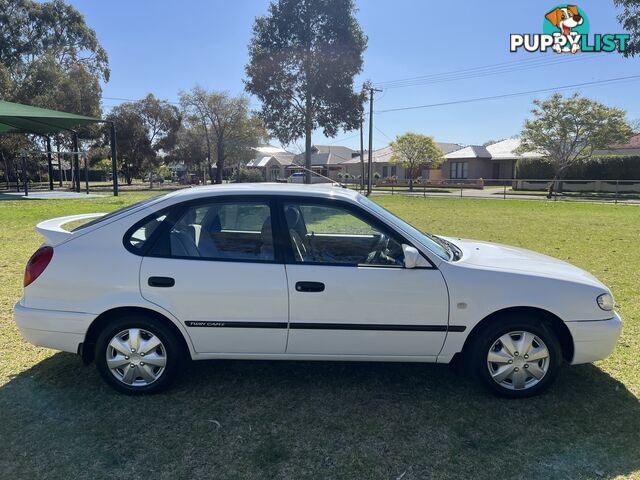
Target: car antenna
[320, 175]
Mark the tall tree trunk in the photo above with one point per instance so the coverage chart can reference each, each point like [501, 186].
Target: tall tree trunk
[220, 160]
[556, 183]
[206, 136]
[410, 179]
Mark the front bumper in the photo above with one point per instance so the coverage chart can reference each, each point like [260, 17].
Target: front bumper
[594, 340]
[52, 328]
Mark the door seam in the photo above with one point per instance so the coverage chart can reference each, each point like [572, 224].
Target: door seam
[286, 277]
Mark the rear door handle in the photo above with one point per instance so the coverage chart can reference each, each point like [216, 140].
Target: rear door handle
[309, 287]
[161, 282]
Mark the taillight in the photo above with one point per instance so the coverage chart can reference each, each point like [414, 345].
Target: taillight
[37, 263]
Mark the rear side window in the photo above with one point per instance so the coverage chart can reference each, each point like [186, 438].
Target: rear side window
[138, 239]
[215, 231]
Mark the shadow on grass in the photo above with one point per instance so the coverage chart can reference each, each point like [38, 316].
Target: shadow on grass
[314, 420]
[14, 196]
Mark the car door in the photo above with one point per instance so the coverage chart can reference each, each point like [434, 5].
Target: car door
[349, 292]
[215, 268]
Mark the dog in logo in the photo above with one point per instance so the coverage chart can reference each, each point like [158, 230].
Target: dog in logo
[566, 19]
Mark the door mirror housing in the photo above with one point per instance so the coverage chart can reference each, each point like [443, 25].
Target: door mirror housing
[411, 256]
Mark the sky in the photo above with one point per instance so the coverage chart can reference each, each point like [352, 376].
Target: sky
[163, 47]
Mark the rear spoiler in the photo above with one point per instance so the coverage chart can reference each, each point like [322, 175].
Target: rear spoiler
[52, 229]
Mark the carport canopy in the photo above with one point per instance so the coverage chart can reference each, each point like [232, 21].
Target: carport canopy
[19, 118]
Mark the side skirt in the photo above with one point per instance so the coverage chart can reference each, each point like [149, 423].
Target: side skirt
[335, 358]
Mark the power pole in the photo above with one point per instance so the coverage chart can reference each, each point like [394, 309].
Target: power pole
[362, 153]
[370, 169]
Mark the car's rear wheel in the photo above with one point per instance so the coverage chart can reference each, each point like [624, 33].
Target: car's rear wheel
[136, 354]
[515, 356]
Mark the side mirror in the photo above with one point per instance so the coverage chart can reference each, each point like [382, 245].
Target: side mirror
[411, 256]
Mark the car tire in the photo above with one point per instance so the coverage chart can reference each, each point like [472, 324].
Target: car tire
[147, 369]
[495, 361]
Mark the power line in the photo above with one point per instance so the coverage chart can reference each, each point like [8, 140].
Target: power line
[517, 94]
[524, 63]
[387, 136]
[512, 62]
[343, 139]
[493, 69]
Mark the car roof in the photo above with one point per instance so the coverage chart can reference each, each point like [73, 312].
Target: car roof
[316, 190]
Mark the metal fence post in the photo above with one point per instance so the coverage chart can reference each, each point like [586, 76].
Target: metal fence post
[424, 191]
[616, 197]
[504, 193]
[460, 191]
[86, 174]
[25, 179]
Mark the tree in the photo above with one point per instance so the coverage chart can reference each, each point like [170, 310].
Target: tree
[50, 57]
[145, 128]
[32, 31]
[229, 128]
[568, 130]
[413, 150]
[630, 21]
[190, 149]
[303, 58]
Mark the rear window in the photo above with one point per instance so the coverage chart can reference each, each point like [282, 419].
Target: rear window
[113, 214]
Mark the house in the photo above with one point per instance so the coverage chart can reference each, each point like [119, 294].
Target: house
[327, 160]
[272, 162]
[631, 148]
[494, 161]
[382, 166]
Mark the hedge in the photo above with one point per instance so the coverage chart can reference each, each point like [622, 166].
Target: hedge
[607, 167]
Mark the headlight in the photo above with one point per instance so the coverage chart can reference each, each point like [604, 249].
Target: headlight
[606, 302]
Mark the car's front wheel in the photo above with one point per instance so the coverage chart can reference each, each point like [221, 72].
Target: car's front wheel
[136, 355]
[515, 357]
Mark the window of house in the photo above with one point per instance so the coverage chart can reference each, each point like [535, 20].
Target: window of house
[221, 231]
[385, 171]
[275, 172]
[459, 169]
[323, 234]
[394, 171]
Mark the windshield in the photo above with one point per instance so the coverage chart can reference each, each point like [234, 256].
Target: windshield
[433, 243]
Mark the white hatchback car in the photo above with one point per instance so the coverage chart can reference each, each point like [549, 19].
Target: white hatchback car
[295, 272]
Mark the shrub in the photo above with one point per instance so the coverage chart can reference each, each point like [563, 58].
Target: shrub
[247, 175]
[606, 167]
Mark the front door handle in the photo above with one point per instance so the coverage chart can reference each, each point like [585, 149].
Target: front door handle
[309, 287]
[161, 282]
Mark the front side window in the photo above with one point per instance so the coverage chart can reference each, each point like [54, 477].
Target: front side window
[221, 231]
[323, 234]
[429, 241]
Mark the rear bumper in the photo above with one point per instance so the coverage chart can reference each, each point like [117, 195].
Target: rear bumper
[52, 328]
[594, 340]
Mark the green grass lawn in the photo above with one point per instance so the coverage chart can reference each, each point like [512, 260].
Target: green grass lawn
[257, 420]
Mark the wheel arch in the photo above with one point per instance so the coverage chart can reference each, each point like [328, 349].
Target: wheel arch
[87, 348]
[555, 323]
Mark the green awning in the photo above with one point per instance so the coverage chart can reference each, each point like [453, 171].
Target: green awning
[18, 118]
